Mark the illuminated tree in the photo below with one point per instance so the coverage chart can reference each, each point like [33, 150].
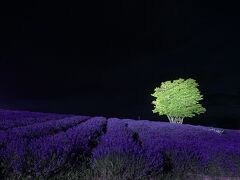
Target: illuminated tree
[178, 99]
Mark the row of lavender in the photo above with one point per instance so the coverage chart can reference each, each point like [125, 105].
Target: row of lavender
[182, 148]
[39, 129]
[19, 128]
[45, 147]
[11, 118]
[42, 148]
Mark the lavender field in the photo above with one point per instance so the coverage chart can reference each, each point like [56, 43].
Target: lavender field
[57, 146]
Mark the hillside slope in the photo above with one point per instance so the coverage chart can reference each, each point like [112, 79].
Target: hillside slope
[45, 144]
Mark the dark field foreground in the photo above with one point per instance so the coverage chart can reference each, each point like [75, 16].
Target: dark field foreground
[54, 146]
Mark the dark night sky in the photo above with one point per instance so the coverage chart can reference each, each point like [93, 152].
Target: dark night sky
[106, 57]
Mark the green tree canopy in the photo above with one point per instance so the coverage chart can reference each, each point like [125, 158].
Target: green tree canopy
[178, 99]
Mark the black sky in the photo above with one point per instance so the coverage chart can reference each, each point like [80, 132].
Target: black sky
[106, 57]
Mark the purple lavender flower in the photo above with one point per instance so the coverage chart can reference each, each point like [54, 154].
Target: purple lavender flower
[10, 119]
[44, 143]
[16, 141]
[44, 128]
[52, 152]
[185, 144]
[118, 139]
[13, 155]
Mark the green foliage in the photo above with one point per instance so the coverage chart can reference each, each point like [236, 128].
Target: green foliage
[110, 167]
[178, 99]
[119, 166]
[124, 167]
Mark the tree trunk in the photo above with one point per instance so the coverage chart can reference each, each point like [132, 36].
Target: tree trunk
[173, 119]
